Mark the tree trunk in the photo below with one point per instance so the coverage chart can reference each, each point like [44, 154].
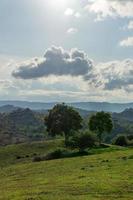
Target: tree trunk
[100, 138]
[66, 139]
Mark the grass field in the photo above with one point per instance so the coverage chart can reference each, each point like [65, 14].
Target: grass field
[106, 175]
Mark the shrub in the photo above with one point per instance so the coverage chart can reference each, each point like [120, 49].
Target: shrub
[83, 141]
[121, 140]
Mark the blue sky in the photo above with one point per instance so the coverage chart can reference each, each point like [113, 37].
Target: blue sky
[46, 47]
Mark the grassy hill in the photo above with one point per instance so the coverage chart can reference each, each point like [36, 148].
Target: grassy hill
[106, 175]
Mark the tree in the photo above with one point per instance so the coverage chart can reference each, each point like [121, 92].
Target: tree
[101, 123]
[62, 119]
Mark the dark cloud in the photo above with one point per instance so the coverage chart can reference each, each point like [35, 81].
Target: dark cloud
[56, 61]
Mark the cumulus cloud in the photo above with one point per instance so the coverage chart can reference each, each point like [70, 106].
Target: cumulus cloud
[112, 75]
[128, 42]
[56, 61]
[111, 8]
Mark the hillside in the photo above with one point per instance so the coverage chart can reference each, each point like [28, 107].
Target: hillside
[102, 176]
[125, 115]
[7, 108]
[21, 125]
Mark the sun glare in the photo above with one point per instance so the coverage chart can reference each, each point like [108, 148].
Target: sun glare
[58, 4]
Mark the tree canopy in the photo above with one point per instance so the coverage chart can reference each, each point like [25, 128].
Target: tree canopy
[62, 119]
[101, 123]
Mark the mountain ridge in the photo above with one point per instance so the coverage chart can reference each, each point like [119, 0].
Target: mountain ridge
[89, 106]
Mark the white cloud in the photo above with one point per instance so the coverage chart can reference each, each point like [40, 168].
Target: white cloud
[114, 75]
[108, 81]
[110, 8]
[69, 12]
[72, 31]
[56, 61]
[128, 42]
[130, 25]
[72, 12]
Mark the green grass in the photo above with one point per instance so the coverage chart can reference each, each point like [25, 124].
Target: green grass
[9, 154]
[106, 175]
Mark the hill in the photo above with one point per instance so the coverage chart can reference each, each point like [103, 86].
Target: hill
[102, 176]
[125, 115]
[89, 106]
[21, 125]
[7, 108]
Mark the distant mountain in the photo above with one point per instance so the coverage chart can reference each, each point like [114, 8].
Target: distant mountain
[7, 108]
[88, 106]
[103, 106]
[125, 115]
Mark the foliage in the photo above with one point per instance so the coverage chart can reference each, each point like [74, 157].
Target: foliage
[100, 123]
[62, 119]
[83, 140]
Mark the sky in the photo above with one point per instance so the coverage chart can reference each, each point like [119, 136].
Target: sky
[66, 50]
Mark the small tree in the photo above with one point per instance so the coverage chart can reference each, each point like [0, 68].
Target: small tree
[62, 119]
[82, 140]
[101, 123]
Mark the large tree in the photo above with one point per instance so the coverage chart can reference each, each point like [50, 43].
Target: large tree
[62, 119]
[101, 123]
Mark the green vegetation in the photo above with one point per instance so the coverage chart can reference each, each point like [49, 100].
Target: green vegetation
[101, 123]
[79, 167]
[106, 174]
[82, 140]
[22, 153]
[63, 119]
[21, 125]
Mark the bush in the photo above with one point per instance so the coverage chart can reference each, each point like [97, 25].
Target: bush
[121, 140]
[83, 141]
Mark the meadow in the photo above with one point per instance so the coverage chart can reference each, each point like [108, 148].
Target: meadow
[105, 174]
